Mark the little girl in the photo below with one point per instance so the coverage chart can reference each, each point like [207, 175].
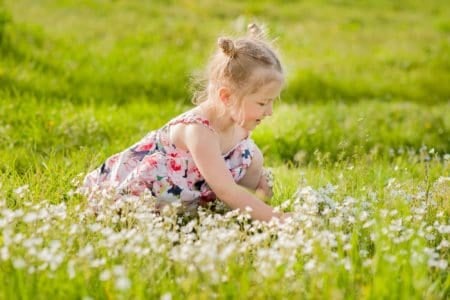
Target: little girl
[206, 152]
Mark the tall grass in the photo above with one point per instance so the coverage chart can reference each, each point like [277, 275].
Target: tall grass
[359, 143]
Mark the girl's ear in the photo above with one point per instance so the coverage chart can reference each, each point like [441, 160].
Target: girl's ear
[225, 95]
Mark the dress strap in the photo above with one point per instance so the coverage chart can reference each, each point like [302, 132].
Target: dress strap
[191, 118]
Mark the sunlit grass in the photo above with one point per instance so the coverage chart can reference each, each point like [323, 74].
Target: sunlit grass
[359, 144]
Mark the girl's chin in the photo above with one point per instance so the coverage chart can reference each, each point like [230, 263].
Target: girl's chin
[251, 127]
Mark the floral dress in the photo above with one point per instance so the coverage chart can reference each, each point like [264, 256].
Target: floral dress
[156, 166]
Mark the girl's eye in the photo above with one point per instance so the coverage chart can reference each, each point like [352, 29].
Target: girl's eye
[261, 104]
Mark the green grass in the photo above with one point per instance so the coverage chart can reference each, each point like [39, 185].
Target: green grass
[363, 122]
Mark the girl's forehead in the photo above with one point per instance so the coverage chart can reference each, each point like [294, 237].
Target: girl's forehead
[269, 89]
[266, 79]
[267, 74]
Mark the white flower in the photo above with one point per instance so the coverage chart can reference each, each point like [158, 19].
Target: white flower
[368, 224]
[30, 217]
[98, 262]
[438, 263]
[74, 228]
[443, 244]
[95, 227]
[363, 216]
[367, 263]
[87, 251]
[44, 228]
[227, 251]
[31, 242]
[166, 296]
[19, 263]
[105, 275]
[119, 270]
[21, 190]
[56, 261]
[310, 265]
[429, 237]
[123, 283]
[443, 229]
[4, 253]
[347, 263]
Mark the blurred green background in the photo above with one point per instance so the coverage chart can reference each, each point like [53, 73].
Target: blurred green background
[365, 77]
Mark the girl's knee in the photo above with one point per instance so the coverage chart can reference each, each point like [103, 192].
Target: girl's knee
[254, 171]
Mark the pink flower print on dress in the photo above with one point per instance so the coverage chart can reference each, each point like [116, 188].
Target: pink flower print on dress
[145, 147]
[151, 161]
[174, 165]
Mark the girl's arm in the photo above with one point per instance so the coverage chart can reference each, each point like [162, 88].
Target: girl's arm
[264, 189]
[204, 147]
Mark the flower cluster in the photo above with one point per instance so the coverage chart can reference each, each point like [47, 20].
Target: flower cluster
[325, 234]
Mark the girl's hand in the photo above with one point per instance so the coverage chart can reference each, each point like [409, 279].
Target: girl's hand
[264, 188]
[286, 215]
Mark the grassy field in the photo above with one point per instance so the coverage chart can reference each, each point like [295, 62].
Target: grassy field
[359, 144]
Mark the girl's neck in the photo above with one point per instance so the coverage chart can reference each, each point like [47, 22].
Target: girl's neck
[220, 121]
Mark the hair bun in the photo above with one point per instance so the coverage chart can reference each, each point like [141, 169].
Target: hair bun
[227, 47]
[255, 31]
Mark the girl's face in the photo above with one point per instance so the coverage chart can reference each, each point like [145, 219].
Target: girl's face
[255, 107]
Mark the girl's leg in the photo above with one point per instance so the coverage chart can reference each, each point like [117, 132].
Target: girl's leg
[252, 177]
[255, 179]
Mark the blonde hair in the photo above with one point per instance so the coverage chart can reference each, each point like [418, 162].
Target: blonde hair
[234, 65]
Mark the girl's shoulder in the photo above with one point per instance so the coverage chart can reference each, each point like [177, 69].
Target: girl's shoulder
[178, 129]
[191, 117]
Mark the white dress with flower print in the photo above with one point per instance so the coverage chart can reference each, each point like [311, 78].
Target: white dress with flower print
[154, 165]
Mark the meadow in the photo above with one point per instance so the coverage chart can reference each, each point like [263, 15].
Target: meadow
[359, 144]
